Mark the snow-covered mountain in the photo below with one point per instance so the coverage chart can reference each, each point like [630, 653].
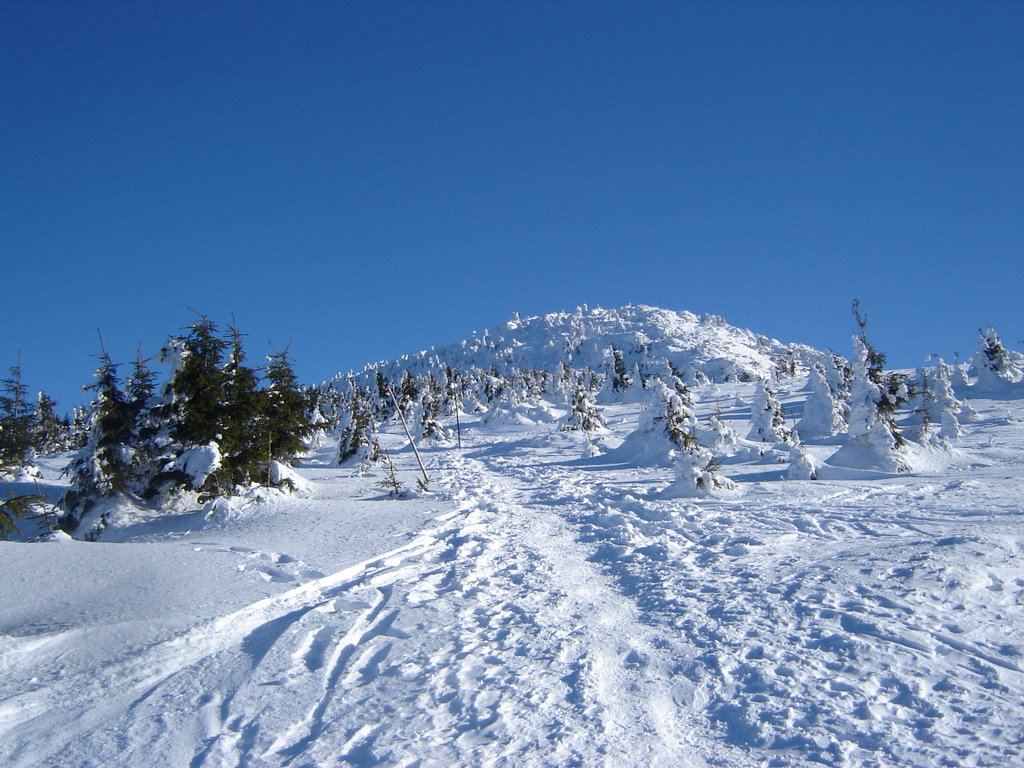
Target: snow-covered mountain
[553, 599]
[651, 341]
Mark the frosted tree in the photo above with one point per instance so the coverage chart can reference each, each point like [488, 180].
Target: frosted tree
[718, 435]
[942, 408]
[839, 376]
[993, 364]
[696, 474]
[695, 465]
[583, 413]
[959, 379]
[767, 424]
[51, 433]
[823, 414]
[802, 465]
[103, 467]
[431, 400]
[680, 423]
[874, 400]
[355, 437]
[621, 380]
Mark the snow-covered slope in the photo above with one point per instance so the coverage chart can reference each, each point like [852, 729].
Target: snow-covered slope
[536, 608]
[649, 339]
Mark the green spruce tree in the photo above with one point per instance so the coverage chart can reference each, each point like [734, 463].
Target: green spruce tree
[199, 385]
[287, 413]
[17, 422]
[243, 426]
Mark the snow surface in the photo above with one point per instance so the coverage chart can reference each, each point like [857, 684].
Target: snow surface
[536, 608]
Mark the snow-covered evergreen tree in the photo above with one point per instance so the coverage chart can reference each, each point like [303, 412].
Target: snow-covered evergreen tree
[199, 386]
[51, 432]
[103, 467]
[823, 414]
[620, 378]
[17, 422]
[941, 405]
[431, 401]
[680, 422]
[767, 423]
[993, 365]
[872, 411]
[802, 465]
[287, 410]
[874, 440]
[696, 474]
[583, 411]
[244, 441]
[355, 437]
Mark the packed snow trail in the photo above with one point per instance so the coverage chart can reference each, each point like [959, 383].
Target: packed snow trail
[843, 624]
[487, 638]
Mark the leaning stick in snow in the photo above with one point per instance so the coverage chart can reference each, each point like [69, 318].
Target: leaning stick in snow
[398, 408]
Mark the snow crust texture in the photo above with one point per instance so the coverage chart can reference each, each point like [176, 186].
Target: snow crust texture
[541, 609]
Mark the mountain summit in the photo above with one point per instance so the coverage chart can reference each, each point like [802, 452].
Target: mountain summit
[651, 341]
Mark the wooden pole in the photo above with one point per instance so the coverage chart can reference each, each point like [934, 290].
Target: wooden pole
[405, 426]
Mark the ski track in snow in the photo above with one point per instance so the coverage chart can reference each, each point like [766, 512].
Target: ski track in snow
[556, 612]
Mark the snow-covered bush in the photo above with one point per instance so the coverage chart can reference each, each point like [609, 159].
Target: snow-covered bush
[696, 475]
[802, 466]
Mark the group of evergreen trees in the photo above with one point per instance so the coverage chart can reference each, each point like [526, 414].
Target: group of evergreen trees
[216, 424]
[26, 430]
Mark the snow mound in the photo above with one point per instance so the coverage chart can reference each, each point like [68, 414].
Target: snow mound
[198, 463]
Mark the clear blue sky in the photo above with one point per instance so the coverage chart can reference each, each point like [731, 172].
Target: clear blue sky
[368, 179]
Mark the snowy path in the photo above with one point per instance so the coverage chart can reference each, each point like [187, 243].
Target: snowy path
[828, 623]
[488, 637]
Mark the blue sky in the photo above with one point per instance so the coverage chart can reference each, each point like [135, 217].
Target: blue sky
[369, 179]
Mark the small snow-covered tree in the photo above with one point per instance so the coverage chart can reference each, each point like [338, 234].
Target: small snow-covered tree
[51, 433]
[823, 414]
[583, 411]
[940, 405]
[993, 365]
[244, 437]
[113, 430]
[802, 465]
[103, 467]
[431, 401]
[680, 423]
[356, 435]
[717, 436]
[621, 380]
[874, 399]
[696, 474]
[767, 424]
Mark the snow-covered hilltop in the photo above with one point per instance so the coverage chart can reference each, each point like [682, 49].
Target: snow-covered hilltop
[651, 340]
[645, 539]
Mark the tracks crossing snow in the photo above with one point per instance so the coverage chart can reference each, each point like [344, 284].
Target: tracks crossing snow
[553, 613]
